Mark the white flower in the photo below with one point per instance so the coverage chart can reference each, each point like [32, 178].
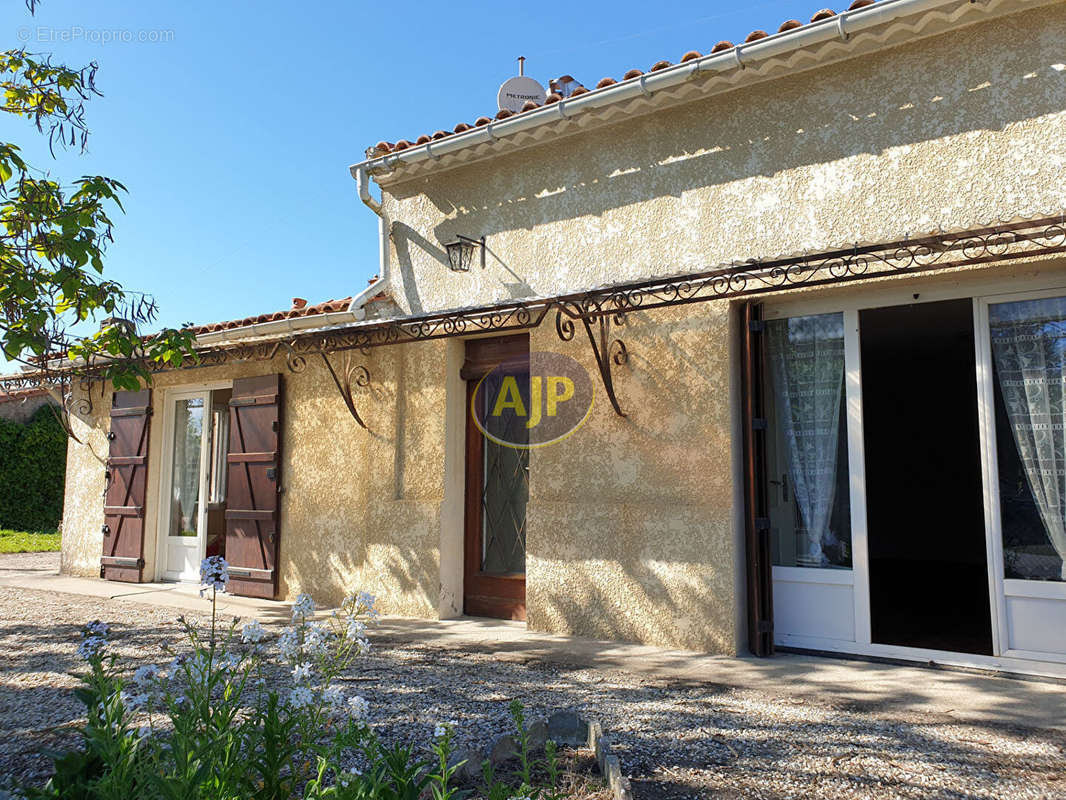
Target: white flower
[358, 707]
[303, 607]
[133, 701]
[146, 674]
[252, 633]
[96, 628]
[442, 729]
[359, 603]
[301, 697]
[289, 643]
[316, 640]
[301, 672]
[356, 629]
[230, 661]
[346, 776]
[175, 666]
[214, 574]
[91, 646]
[333, 697]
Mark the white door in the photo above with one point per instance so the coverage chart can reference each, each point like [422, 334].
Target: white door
[807, 465]
[186, 512]
[1024, 420]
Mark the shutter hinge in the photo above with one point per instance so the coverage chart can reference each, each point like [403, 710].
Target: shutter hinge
[103, 571]
[756, 325]
[758, 423]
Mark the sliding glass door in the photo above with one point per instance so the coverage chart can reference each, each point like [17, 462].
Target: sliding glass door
[916, 475]
[1026, 352]
[807, 466]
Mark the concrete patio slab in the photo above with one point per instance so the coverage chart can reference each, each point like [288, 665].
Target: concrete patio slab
[882, 688]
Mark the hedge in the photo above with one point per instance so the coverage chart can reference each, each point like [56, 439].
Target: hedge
[33, 464]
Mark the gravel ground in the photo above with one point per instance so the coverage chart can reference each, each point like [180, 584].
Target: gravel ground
[675, 740]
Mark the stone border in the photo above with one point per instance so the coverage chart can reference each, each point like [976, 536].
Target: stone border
[566, 729]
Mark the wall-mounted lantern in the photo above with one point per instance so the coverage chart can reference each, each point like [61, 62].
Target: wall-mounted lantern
[461, 252]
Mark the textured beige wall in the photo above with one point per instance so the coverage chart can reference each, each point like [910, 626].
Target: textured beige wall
[358, 509]
[83, 501]
[630, 520]
[956, 130]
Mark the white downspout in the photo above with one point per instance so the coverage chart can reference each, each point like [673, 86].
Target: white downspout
[356, 307]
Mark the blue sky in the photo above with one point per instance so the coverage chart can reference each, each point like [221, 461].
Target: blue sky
[233, 130]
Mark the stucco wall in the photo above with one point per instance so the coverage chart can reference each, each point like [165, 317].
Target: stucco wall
[631, 530]
[83, 501]
[632, 522]
[358, 509]
[956, 130]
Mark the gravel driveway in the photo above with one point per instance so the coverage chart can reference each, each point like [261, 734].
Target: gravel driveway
[675, 740]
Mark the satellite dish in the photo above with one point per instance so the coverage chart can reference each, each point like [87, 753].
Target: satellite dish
[516, 92]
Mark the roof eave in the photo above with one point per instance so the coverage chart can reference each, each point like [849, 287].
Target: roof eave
[840, 28]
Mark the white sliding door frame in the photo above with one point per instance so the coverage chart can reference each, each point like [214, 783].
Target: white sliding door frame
[1004, 588]
[981, 291]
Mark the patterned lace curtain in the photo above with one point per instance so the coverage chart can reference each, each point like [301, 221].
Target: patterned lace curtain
[1029, 346]
[806, 356]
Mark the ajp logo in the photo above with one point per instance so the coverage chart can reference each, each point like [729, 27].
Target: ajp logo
[530, 403]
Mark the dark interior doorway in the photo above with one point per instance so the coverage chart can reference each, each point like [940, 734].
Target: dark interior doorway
[924, 501]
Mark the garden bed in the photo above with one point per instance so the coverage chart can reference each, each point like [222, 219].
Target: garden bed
[675, 739]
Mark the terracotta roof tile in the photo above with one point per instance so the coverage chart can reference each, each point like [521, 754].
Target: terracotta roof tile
[384, 147]
[300, 308]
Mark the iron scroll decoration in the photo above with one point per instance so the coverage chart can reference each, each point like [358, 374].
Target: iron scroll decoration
[606, 351]
[610, 305]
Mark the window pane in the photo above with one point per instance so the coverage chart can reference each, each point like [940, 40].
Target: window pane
[506, 488]
[1029, 372]
[185, 491]
[807, 457]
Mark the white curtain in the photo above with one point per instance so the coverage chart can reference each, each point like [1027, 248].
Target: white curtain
[1029, 346]
[806, 357]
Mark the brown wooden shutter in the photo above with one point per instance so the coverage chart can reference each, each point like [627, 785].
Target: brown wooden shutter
[756, 517]
[127, 479]
[252, 533]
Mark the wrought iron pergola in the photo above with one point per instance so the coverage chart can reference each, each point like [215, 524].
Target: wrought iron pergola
[598, 309]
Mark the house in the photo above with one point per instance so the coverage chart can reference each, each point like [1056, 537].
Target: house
[804, 295]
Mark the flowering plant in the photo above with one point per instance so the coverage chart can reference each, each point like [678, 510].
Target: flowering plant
[207, 726]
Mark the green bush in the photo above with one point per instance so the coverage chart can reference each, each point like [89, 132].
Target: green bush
[33, 464]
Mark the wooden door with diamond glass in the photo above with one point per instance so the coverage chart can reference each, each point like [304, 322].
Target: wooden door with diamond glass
[497, 477]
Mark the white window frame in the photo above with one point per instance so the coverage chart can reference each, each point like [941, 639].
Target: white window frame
[171, 396]
[1002, 587]
[981, 290]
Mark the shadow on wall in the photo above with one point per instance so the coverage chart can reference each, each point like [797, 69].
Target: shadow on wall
[404, 578]
[976, 81]
[404, 237]
[656, 605]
